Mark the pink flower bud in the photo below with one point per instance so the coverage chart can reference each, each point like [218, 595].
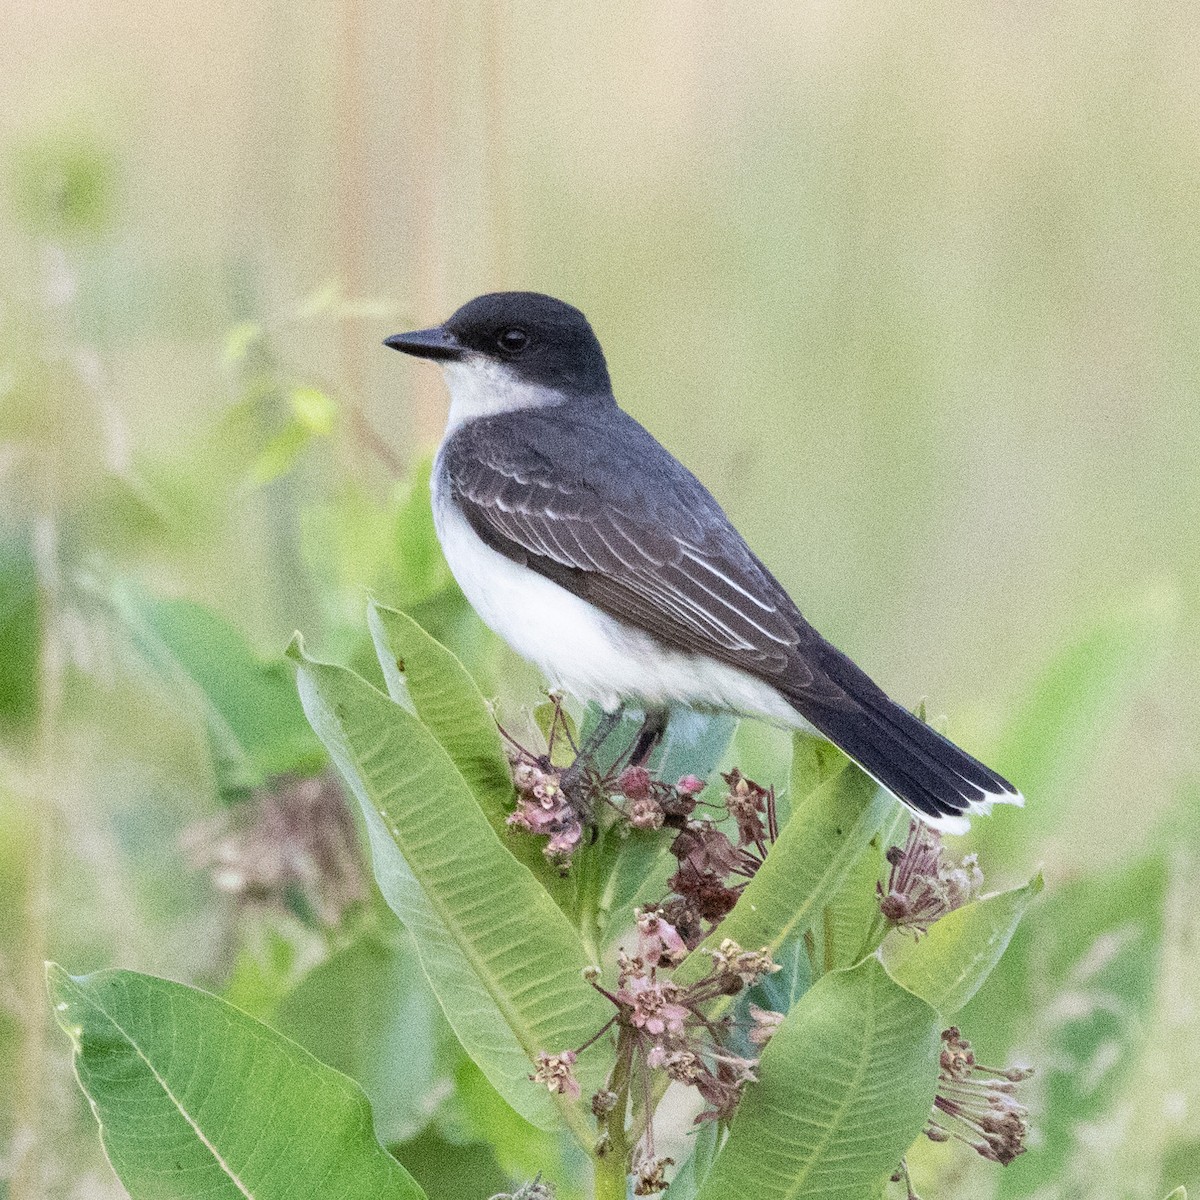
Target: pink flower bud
[634, 783]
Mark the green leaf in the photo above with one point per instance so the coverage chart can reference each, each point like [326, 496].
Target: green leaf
[196, 1099]
[850, 925]
[949, 964]
[826, 835]
[475, 1113]
[814, 761]
[1074, 995]
[503, 959]
[421, 671]
[1180, 1193]
[367, 1012]
[254, 720]
[448, 703]
[845, 1086]
[20, 632]
[691, 1176]
[693, 745]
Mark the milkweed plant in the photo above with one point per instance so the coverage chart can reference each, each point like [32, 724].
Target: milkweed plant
[714, 985]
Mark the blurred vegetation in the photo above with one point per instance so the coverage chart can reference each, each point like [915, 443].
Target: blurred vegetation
[914, 291]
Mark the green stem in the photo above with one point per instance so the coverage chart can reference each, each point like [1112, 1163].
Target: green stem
[590, 886]
[611, 1179]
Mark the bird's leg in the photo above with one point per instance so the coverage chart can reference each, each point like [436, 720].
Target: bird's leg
[572, 777]
[649, 736]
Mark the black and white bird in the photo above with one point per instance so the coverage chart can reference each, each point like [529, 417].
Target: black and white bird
[598, 556]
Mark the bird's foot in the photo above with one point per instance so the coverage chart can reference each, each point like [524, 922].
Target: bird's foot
[579, 779]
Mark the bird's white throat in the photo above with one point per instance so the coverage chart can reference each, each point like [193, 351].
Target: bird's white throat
[482, 387]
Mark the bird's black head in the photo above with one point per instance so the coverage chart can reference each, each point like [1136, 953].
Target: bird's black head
[540, 341]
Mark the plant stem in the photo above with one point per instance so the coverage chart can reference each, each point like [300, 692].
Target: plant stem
[611, 1178]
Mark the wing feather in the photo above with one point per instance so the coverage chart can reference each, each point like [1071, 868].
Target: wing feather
[663, 559]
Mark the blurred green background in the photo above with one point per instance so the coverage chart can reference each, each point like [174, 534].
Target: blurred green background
[912, 288]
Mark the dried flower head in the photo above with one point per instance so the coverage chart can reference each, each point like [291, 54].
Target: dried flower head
[291, 846]
[650, 1177]
[729, 959]
[923, 885]
[747, 805]
[535, 1189]
[766, 1023]
[977, 1104]
[646, 813]
[557, 1072]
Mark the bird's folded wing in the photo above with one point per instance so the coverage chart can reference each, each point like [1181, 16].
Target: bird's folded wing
[663, 558]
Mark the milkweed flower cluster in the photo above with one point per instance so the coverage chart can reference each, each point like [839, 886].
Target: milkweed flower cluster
[663, 1033]
[923, 884]
[543, 807]
[977, 1104]
[290, 846]
[662, 1028]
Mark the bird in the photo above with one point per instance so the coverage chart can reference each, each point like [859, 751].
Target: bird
[598, 556]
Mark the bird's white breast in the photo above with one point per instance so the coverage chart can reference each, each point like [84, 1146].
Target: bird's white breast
[583, 650]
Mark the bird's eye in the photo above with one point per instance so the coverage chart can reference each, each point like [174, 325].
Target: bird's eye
[513, 341]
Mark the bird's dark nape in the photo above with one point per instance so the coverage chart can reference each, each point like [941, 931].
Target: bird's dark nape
[925, 770]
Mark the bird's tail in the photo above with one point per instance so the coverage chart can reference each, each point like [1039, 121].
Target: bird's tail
[939, 782]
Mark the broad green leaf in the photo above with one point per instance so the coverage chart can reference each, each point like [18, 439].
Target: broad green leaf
[814, 761]
[845, 1086]
[196, 1099]
[20, 632]
[367, 1012]
[448, 703]
[693, 745]
[1180, 1193]
[421, 671]
[949, 964]
[484, 927]
[255, 723]
[850, 926]
[825, 836]
[475, 1113]
[762, 753]
[477, 1019]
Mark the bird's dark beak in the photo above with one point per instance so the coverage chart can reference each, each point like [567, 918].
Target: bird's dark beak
[436, 343]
